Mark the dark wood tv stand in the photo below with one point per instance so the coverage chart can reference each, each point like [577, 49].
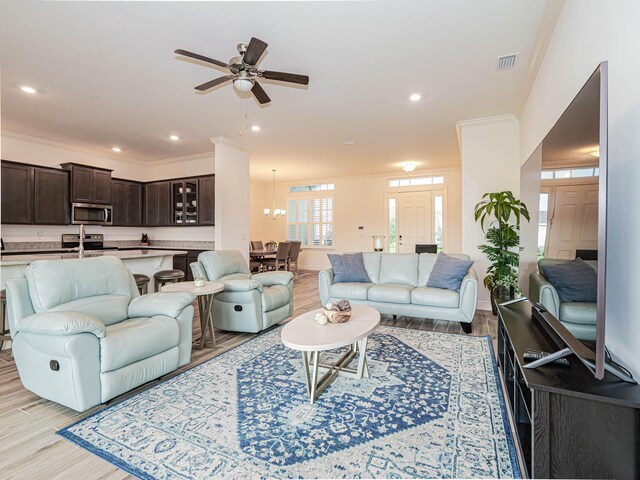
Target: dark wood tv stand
[567, 423]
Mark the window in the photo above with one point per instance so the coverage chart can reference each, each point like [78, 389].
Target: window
[438, 211]
[573, 173]
[312, 188]
[415, 182]
[392, 225]
[543, 223]
[310, 217]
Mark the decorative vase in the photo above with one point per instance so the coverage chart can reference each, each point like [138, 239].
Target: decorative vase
[378, 243]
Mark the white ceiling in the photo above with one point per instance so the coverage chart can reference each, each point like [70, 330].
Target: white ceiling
[108, 76]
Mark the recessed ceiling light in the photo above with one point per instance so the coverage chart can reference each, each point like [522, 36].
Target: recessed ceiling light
[28, 89]
[116, 149]
[349, 142]
[255, 128]
[409, 166]
[415, 97]
[174, 138]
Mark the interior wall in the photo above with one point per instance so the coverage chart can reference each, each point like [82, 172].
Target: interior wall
[232, 195]
[258, 201]
[359, 201]
[490, 152]
[586, 33]
[25, 149]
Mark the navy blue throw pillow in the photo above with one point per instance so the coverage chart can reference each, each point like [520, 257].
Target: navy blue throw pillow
[348, 268]
[575, 281]
[448, 272]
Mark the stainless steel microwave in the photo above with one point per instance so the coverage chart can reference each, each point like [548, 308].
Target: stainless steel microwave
[91, 214]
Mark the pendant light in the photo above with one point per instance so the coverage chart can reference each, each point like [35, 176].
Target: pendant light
[276, 211]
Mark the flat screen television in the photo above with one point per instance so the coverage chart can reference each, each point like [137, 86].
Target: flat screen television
[564, 184]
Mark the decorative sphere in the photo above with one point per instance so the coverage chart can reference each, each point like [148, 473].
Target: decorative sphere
[320, 318]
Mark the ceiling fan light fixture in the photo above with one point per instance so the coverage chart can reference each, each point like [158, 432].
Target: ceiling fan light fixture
[243, 84]
[409, 166]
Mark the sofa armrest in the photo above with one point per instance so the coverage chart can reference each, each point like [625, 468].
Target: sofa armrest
[541, 291]
[60, 324]
[325, 280]
[197, 270]
[267, 279]
[242, 285]
[162, 303]
[469, 294]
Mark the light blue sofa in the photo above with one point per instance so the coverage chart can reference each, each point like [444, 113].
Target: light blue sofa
[578, 317]
[249, 303]
[83, 335]
[398, 287]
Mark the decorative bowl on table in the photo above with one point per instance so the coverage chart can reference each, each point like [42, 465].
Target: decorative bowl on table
[337, 312]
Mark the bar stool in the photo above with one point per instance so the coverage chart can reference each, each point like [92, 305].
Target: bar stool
[4, 333]
[142, 282]
[166, 276]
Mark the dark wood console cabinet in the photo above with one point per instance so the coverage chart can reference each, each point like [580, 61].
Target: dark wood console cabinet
[567, 423]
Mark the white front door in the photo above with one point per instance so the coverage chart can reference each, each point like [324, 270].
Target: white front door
[574, 223]
[415, 222]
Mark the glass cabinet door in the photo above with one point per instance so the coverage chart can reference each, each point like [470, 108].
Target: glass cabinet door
[184, 202]
[191, 202]
[177, 203]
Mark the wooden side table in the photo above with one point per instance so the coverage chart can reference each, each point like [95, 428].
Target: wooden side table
[205, 296]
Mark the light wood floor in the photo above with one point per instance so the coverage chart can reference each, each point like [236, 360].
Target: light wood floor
[29, 448]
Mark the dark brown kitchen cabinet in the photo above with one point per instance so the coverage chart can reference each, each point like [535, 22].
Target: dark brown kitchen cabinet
[17, 193]
[89, 184]
[34, 195]
[127, 203]
[206, 200]
[51, 197]
[157, 198]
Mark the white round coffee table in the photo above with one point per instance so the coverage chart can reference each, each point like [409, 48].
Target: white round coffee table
[205, 302]
[303, 333]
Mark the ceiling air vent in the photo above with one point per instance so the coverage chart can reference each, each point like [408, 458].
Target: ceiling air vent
[507, 62]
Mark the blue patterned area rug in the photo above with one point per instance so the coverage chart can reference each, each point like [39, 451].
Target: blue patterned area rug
[432, 408]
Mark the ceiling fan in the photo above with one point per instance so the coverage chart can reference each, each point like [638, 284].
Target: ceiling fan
[244, 72]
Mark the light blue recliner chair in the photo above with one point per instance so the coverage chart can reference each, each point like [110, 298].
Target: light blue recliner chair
[249, 303]
[83, 335]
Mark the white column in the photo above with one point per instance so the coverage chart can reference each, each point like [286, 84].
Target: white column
[232, 195]
[490, 153]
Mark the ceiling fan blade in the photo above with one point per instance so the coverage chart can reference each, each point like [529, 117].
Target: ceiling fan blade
[213, 83]
[254, 51]
[202, 58]
[286, 77]
[260, 94]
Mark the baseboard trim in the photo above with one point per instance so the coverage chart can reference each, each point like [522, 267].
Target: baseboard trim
[484, 305]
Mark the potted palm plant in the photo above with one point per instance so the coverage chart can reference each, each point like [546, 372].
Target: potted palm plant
[501, 213]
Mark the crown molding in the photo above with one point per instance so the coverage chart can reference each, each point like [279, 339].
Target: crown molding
[66, 146]
[479, 121]
[231, 143]
[184, 158]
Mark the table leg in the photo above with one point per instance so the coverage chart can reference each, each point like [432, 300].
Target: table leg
[363, 368]
[207, 304]
[314, 377]
[305, 363]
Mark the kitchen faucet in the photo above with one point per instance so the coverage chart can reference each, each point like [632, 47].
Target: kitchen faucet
[81, 246]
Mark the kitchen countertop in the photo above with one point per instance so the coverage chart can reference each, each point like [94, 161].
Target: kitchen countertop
[25, 259]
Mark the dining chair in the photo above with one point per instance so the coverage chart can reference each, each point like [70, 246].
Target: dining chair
[294, 253]
[257, 245]
[280, 260]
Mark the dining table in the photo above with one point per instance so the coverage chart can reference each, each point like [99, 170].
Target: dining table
[262, 253]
